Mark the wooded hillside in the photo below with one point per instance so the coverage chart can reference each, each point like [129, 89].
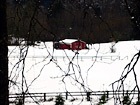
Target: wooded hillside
[93, 21]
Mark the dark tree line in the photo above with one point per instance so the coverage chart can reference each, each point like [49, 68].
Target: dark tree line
[133, 9]
[93, 21]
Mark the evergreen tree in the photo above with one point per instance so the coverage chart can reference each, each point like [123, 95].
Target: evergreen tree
[126, 99]
[59, 100]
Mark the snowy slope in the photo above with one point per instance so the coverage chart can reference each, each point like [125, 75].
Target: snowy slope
[99, 67]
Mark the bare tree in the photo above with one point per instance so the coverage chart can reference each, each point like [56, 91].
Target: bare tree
[130, 68]
[133, 9]
[4, 93]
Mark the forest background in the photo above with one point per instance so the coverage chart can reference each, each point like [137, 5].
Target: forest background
[95, 21]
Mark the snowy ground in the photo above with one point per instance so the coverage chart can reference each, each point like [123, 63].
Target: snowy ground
[99, 68]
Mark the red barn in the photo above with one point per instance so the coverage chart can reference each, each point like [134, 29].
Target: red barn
[70, 44]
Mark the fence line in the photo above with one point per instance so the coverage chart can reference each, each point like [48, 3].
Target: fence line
[70, 94]
[115, 57]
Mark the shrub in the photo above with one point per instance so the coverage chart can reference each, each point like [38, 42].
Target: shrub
[59, 100]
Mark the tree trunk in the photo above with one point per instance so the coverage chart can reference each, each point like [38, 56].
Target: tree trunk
[4, 93]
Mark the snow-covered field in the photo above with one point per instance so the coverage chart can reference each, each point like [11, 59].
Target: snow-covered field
[44, 68]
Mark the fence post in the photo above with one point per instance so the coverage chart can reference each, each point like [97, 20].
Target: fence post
[23, 98]
[44, 97]
[66, 95]
[107, 94]
[88, 96]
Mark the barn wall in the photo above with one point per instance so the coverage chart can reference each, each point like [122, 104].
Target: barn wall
[64, 46]
[77, 45]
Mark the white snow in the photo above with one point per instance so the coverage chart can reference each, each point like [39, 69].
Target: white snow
[99, 68]
[68, 40]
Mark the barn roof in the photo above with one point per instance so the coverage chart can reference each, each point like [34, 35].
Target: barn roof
[69, 40]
